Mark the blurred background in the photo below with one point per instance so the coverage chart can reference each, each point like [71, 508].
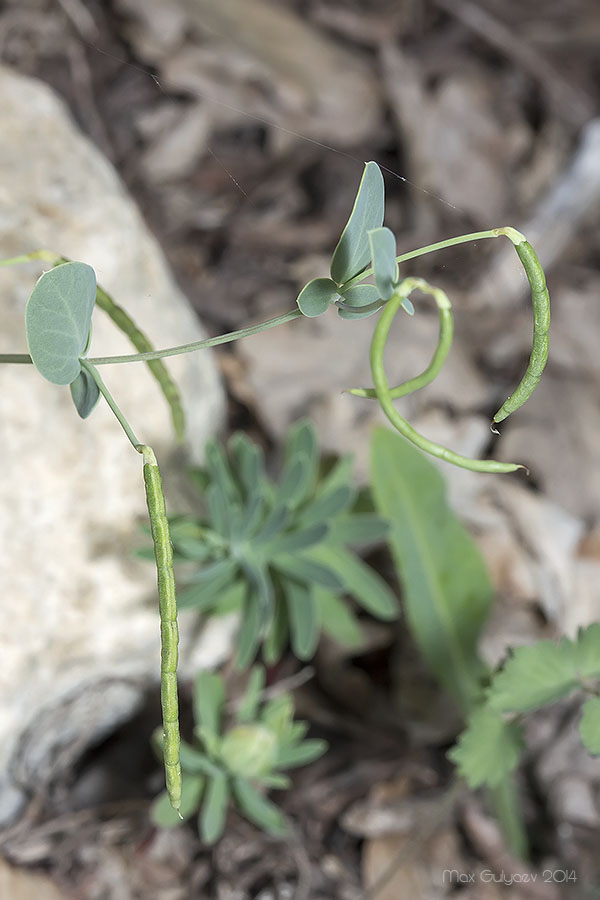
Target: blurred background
[240, 128]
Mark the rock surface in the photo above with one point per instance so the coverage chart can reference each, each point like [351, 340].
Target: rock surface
[79, 636]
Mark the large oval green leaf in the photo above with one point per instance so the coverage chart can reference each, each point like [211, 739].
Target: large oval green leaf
[353, 252]
[315, 298]
[57, 320]
[383, 254]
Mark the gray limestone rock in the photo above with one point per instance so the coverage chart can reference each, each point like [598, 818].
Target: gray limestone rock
[79, 637]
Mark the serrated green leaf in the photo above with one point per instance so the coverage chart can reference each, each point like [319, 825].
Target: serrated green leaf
[589, 726]
[257, 808]
[447, 592]
[359, 529]
[208, 700]
[352, 253]
[303, 569]
[337, 620]
[534, 676]
[85, 393]
[58, 316]
[214, 809]
[248, 707]
[383, 254]
[303, 619]
[301, 754]
[163, 814]
[488, 750]
[315, 298]
[361, 581]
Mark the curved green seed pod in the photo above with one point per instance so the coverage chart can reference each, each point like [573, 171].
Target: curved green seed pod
[541, 326]
[386, 402]
[169, 633]
[441, 351]
[141, 343]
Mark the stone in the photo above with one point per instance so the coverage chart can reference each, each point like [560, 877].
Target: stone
[79, 635]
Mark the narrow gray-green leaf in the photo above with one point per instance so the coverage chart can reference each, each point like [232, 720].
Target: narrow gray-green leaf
[214, 809]
[316, 297]
[209, 697]
[57, 320]
[257, 808]
[303, 617]
[163, 813]
[275, 522]
[326, 506]
[337, 620]
[383, 254]
[202, 596]
[301, 754]
[292, 541]
[250, 631]
[85, 393]
[277, 635]
[358, 529]
[361, 581]
[303, 569]
[364, 300]
[447, 591]
[296, 479]
[250, 701]
[352, 253]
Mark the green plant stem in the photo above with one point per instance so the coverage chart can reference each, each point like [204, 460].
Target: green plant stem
[200, 345]
[505, 802]
[511, 233]
[439, 356]
[385, 400]
[175, 351]
[45, 255]
[141, 343]
[93, 371]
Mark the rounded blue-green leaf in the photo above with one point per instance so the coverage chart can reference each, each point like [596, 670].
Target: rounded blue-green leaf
[383, 255]
[85, 393]
[364, 300]
[315, 298]
[353, 253]
[57, 320]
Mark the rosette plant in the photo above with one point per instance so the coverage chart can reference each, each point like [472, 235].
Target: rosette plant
[239, 763]
[280, 552]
